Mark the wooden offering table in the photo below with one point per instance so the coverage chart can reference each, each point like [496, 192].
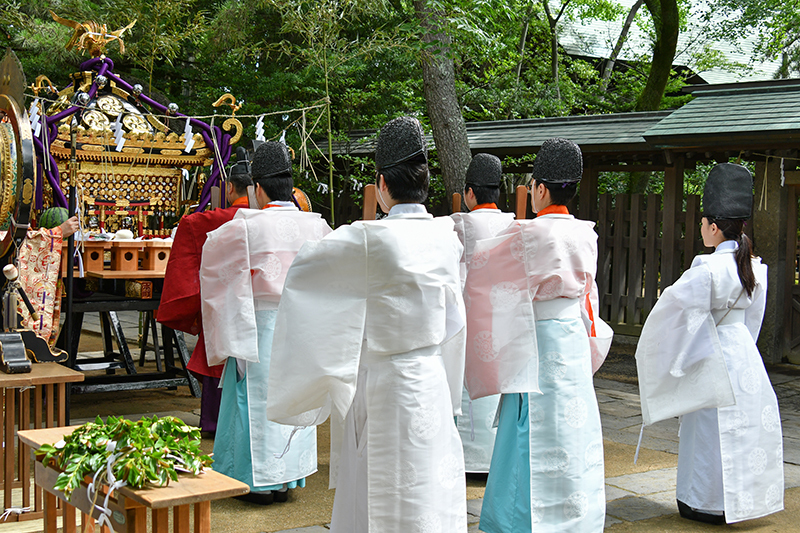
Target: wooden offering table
[129, 506]
[17, 389]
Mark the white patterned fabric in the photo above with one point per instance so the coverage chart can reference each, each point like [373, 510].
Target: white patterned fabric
[242, 272]
[523, 265]
[697, 358]
[243, 269]
[475, 423]
[528, 333]
[371, 329]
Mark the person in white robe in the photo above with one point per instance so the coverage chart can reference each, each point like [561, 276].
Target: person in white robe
[484, 220]
[370, 330]
[533, 334]
[243, 268]
[697, 359]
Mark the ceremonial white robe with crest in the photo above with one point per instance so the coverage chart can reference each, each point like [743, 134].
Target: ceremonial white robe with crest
[476, 423]
[243, 269]
[533, 334]
[697, 358]
[371, 329]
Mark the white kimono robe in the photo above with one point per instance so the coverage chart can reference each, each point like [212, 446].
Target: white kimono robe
[697, 358]
[243, 269]
[371, 328]
[532, 327]
[476, 425]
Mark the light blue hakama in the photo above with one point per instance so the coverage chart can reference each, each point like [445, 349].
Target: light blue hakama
[247, 445]
[547, 466]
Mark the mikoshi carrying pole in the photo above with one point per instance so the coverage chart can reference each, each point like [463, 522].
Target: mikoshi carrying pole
[73, 180]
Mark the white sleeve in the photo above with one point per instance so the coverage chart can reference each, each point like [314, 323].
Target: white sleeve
[754, 315]
[459, 229]
[319, 330]
[679, 358]
[229, 321]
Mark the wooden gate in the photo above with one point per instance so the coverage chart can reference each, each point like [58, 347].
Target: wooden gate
[633, 267]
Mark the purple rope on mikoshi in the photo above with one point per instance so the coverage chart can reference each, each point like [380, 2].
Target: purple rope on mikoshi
[52, 175]
[104, 66]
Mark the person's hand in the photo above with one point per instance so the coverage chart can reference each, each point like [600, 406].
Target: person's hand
[69, 227]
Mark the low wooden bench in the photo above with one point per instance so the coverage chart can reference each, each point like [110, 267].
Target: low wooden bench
[47, 383]
[129, 506]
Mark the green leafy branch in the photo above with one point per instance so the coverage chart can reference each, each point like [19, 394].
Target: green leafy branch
[152, 450]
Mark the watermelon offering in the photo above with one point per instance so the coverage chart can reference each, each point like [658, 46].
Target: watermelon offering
[53, 217]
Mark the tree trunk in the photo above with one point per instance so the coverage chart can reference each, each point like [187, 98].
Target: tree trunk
[667, 24]
[444, 111]
[623, 35]
[522, 40]
[553, 23]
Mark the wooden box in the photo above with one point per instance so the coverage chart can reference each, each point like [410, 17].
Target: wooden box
[136, 288]
[156, 255]
[93, 252]
[92, 255]
[125, 255]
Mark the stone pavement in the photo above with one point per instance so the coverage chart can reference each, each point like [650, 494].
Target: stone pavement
[642, 496]
[639, 498]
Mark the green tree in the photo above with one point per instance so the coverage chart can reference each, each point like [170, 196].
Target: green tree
[162, 29]
[775, 23]
[666, 20]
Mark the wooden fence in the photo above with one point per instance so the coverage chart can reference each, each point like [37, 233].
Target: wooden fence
[632, 266]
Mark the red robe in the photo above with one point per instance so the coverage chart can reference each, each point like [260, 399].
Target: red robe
[180, 299]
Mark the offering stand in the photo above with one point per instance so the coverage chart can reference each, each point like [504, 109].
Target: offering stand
[130, 506]
[49, 411]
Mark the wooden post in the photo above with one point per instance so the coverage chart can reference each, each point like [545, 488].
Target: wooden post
[8, 439]
[160, 520]
[618, 273]
[791, 251]
[770, 221]
[587, 206]
[50, 513]
[603, 263]
[68, 517]
[521, 208]
[180, 519]
[370, 206]
[651, 254]
[456, 207]
[24, 466]
[673, 204]
[635, 266]
[692, 230]
[202, 517]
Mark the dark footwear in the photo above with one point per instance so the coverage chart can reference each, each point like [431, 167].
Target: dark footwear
[259, 498]
[280, 497]
[480, 477]
[699, 516]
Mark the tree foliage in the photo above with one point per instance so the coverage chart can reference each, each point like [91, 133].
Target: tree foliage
[367, 58]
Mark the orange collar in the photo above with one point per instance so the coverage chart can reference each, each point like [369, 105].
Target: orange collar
[485, 206]
[553, 210]
[242, 201]
[270, 205]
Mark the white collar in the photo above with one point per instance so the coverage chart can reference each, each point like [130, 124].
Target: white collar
[727, 247]
[407, 209]
[282, 203]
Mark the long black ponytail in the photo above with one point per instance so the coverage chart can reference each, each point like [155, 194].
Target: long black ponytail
[732, 230]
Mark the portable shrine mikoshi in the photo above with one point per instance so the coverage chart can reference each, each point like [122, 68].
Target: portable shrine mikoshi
[133, 153]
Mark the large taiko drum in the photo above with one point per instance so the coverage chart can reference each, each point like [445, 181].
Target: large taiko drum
[17, 173]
